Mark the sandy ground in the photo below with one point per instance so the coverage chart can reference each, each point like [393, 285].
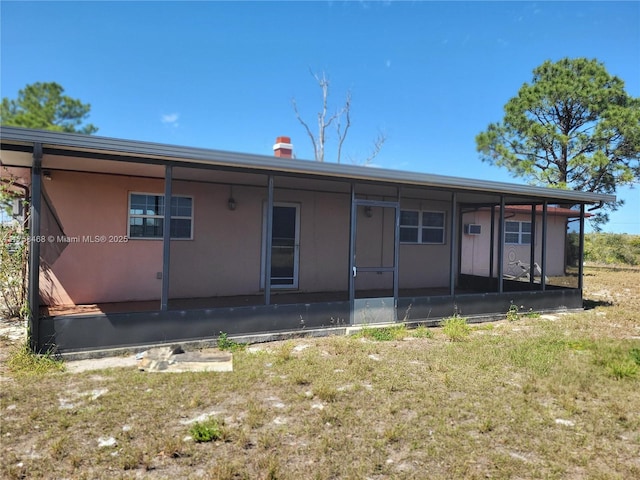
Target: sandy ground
[76, 366]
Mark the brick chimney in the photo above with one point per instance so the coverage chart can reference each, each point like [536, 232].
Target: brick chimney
[283, 147]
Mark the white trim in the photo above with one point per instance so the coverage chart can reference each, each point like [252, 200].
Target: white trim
[287, 146]
[178, 217]
[420, 227]
[520, 232]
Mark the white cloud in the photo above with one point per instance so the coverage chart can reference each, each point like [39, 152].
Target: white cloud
[170, 119]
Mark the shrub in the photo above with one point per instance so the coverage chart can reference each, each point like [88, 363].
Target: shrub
[612, 248]
[13, 258]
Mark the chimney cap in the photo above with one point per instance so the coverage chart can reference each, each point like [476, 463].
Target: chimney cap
[283, 147]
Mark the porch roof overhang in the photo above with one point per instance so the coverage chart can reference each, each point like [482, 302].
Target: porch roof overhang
[17, 146]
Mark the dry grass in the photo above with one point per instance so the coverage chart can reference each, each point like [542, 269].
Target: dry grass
[531, 398]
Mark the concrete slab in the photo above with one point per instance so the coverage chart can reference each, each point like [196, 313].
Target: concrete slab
[175, 359]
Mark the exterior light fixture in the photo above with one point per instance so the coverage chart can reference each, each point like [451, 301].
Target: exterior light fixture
[231, 203]
[368, 211]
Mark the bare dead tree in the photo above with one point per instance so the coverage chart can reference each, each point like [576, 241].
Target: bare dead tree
[341, 118]
[342, 134]
[377, 146]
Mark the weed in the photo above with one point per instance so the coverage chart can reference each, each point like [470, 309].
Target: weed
[225, 470]
[206, 431]
[483, 327]
[224, 343]
[22, 361]
[131, 458]
[513, 313]
[620, 369]
[393, 433]
[580, 345]
[284, 352]
[326, 393]
[634, 353]
[456, 328]
[60, 448]
[384, 334]
[256, 415]
[423, 332]
[270, 466]
[486, 426]
[537, 355]
[531, 314]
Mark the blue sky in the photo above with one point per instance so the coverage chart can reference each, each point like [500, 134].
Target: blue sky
[430, 75]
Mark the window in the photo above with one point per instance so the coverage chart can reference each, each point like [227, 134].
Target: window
[146, 216]
[518, 233]
[421, 227]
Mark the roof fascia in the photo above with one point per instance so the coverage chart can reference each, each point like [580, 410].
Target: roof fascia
[138, 150]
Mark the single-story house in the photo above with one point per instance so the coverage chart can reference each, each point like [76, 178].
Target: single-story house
[136, 243]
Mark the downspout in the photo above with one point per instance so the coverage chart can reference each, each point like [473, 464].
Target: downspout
[34, 249]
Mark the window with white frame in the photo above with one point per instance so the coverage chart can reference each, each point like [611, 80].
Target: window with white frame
[517, 233]
[421, 227]
[146, 216]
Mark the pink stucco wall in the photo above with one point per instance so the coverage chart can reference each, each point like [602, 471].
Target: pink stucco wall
[90, 205]
[475, 248]
[224, 256]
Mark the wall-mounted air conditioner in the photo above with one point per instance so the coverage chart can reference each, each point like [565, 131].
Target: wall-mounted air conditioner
[472, 229]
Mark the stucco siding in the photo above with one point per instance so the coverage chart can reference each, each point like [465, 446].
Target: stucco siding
[475, 249]
[223, 258]
[426, 265]
[90, 206]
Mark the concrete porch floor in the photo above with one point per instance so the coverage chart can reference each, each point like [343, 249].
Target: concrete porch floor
[277, 298]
